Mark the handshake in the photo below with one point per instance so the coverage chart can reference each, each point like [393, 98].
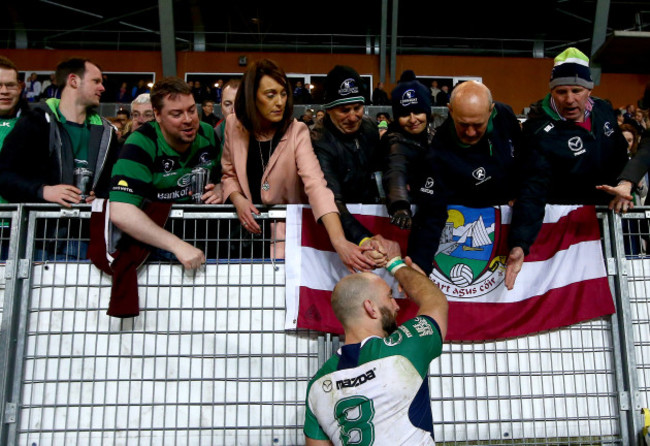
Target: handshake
[379, 250]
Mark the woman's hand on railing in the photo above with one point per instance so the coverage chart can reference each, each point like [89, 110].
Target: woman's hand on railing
[245, 212]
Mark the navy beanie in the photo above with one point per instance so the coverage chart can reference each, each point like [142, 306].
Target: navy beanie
[343, 85]
[410, 97]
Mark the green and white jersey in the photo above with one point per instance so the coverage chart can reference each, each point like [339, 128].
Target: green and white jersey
[376, 392]
[149, 168]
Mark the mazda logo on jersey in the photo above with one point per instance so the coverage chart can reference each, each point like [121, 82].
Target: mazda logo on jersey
[327, 385]
[429, 183]
[357, 381]
[576, 146]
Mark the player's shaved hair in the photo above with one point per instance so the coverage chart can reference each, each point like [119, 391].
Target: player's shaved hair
[349, 294]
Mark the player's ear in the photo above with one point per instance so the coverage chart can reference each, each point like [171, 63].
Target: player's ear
[371, 311]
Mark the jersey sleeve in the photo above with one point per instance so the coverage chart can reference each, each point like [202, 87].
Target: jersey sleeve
[418, 340]
[132, 177]
[312, 428]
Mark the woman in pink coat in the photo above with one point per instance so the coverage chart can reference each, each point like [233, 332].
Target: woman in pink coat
[268, 158]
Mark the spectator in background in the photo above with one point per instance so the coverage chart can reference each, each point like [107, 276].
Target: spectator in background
[32, 88]
[298, 93]
[228, 95]
[320, 114]
[379, 96]
[52, 90]
[64, 135]
[123, 96]
[123, 116]
[268, 158]
[207, 112]
[346, 143]
[442, 98]
[218, 91]
[141, 113]
[434, 91]
[198, 91]
[382, 116]
[139, 89]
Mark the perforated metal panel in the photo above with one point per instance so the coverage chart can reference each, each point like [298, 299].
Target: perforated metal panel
[208, 360]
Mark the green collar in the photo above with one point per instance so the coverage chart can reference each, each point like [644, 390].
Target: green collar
[546, 106]
[92, 117]
[488, 132]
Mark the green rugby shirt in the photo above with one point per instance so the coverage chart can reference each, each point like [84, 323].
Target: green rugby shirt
[148, 168]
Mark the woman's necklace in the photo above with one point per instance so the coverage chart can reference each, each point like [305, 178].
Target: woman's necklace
[265, 185]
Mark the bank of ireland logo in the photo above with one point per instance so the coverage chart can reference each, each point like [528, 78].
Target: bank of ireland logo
[348, 86]
[185, 180]
[409, 98]
[466, 264]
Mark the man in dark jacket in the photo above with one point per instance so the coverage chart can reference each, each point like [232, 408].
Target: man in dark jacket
[576, 147]
[474, 161]
[346, 143]
[56, 139]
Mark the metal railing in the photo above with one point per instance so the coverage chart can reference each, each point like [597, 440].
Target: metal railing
[208, 361]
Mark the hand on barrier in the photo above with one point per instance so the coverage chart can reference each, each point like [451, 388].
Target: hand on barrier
[213, 194]
[622, 193]
[64, 194]
[189, 256]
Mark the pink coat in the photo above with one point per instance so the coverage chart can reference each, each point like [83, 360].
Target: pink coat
[293, 171]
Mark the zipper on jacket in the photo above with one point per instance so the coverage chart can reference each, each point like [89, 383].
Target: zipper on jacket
[108, 148]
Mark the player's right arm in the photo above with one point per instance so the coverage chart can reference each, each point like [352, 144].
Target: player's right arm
[428, 297]
[312, 442]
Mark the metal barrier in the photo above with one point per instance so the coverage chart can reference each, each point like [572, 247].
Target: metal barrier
[209, 362]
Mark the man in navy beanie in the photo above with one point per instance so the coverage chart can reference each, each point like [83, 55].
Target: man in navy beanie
[346, 143]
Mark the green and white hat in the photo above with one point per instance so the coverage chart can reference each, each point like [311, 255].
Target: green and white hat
[571, 68]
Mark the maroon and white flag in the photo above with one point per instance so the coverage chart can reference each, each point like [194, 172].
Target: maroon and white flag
[562, 282]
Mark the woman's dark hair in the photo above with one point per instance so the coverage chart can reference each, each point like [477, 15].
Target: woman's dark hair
[635, 134]
[245, 105]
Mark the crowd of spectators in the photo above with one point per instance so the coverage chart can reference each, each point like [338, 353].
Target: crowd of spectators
[361, 160]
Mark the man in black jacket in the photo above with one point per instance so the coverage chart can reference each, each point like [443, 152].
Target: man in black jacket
[474, 161]
[346, 143]
[56, 139]
[576, 149]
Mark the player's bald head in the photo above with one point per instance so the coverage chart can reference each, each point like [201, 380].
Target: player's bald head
[349, 294]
